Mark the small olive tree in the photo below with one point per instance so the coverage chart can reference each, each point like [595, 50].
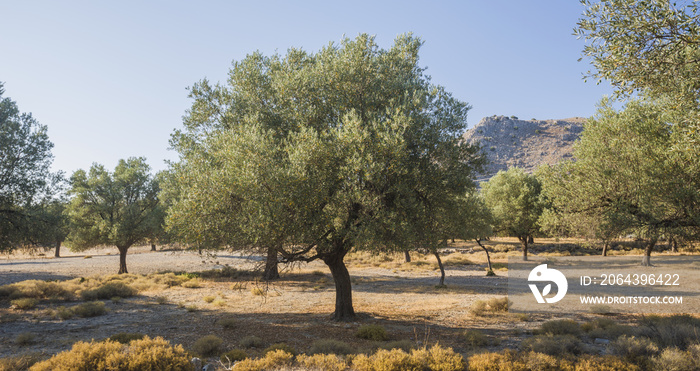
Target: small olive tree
[118, 208]
[513, 196]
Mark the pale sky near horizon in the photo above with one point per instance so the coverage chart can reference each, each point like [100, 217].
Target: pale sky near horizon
[109, 79]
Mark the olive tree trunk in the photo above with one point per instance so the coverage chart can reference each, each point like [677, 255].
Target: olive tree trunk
[343, 287]
[525, 240]
[271, 271]
[606, 244]
[122, 259]
[407, 255]
[57, 253]
[442, 268]
[490, 272]
[646, 260]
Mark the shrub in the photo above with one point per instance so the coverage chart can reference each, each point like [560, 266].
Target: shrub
[23, 362]
[24, 339]
[234, 355]
[207, 345]
[503, 361]
[554, 345]
[251, 342]
[372, 332]
[561, 327]
[325, 362]
[90, 309]
[677, 330]
[257, 291]
[209, 298]
[161, 300]
[435, 358]
[495, 305]
[673, 359]
[544, 362]
[330, 346]
[126, 337]
[24, 303]
[604, 363]
[474, 338]
[634, 349]
[194, 283]
[191, 308]
[227, 322]
[64, 313]
[280, 346]
[405, 345]
[389, 360]
[109, 290]
[273, 360]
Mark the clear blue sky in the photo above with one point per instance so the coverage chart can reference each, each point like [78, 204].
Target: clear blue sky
[109, 78]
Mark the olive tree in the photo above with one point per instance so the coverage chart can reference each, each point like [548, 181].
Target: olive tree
[626, 177]
[317, 154]
[118, 208]
[26, 182]
[513, 196]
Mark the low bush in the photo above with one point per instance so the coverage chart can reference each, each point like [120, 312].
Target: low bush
[89, 309]
[251, 342]
[227, 322]
[604, 363]
[324, 362]
[280, 346]
[405, 345]
[109, 290]
[193, 283]
[330, 346]
[23, 362]
[24, 303]
[673, 359]
[474, 338]
[126, 337]
[144, 354]
[25, 338]
[372, 332]
[435, 358]
[560, 327]
[634, 349]
[209, 298]
[491, 306]
[554, 345]
[207, 345]
[278, 359]
[233, 355]
[671, 331]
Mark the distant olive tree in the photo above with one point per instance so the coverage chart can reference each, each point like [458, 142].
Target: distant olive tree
[117, 208]
[514, 198]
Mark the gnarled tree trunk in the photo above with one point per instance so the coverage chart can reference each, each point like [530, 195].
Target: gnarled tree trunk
[606, 244]
[524, 240]
[343, 287]
[442, 268]
[57, 254]
[153, 246]
[122, 259]
[271, 272]
[407, 255]
[490, 272]
[646, 260]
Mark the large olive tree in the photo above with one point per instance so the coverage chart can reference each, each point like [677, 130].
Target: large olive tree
[316, 154]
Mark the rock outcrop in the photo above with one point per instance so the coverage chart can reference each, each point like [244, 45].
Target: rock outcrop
[509, 142]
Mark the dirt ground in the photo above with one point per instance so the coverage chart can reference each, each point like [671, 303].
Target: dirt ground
[295, 309]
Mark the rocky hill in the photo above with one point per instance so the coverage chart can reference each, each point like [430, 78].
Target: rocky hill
[508, 141]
